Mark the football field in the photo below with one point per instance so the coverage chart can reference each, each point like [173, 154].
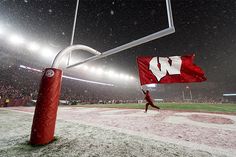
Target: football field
[93, 131]
[197, 107]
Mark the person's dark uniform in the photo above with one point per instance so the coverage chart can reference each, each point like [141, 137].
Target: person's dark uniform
[149, 100]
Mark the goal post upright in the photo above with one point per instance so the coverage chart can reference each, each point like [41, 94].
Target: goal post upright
[44, 120]
[156, 35]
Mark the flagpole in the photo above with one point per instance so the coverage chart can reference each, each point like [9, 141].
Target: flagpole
[190, 92]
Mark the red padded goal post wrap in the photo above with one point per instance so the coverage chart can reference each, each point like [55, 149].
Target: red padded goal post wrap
[46, 107]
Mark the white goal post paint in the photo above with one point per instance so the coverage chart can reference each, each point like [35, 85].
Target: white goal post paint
[67, 50]
[126, 46]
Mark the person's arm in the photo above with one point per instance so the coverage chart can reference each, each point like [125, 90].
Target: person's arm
[143, 91]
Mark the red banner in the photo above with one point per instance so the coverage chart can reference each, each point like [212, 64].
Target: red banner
[174, 69]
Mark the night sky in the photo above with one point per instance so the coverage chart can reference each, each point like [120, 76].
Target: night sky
[203, 27]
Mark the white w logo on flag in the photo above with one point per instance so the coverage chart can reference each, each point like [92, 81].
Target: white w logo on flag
[172, 68]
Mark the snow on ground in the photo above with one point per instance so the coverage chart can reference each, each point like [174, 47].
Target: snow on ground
[118, 132]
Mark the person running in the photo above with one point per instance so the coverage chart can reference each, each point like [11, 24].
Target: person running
[149, 100]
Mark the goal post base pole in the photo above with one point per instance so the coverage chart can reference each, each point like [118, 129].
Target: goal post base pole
[44, 120]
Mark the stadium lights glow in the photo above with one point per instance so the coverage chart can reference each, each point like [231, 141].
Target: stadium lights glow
[16, 40]
[93, 82]
[33, 46]
[111, 73]
[29, 68]
[85, 67]
[121, 76]
[92, 69]
[47, 52]
[1, 30]
[233, 94]
[126, 77]
[151, 85]
[68, 77]
[131, 77]
[99, 71]
[115, 75]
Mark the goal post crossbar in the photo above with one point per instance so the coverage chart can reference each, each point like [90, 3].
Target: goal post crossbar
[98, 55]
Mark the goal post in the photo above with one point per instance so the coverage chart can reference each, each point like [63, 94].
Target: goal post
[44, 121]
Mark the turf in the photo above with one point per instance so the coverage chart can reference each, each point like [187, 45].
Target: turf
[200, 107]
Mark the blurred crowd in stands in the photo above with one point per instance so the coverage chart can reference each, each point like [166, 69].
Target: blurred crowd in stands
[19, 86]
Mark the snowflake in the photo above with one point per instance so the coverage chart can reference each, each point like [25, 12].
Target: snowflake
[112, 12]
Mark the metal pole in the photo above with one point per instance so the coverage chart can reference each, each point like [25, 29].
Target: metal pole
[67, 50]
[73, 31]
[183, 95]
[140, 41]
[126, 46]
[190, 92]
[137, 42]
[169, 14]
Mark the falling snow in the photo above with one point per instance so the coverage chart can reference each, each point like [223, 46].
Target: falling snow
[204, 28]
[112, 12]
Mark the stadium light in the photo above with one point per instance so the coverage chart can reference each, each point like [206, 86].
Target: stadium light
[93, 70]
[116, 75]
[151, 85]
[126, 77]
[110, 73]
[2, 29]
[33, 46]
[121, 76]
[47, 52]
[131, 77]
[16, 39]
[231, 94]
[85, 67]
[69, 77]
[99, 71]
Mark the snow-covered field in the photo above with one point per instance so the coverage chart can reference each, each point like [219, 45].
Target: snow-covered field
[121, 132]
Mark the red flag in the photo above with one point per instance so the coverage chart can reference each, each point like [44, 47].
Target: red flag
[174, 69]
